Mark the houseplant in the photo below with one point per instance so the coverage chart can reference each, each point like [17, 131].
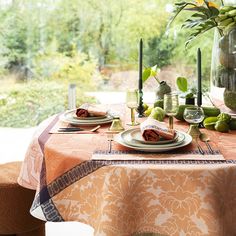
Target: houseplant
[189, 94]
[206, 16]
[163, 87]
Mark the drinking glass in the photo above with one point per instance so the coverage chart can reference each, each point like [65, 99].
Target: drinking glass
[132, 103]
[194, 116]
[171, 105]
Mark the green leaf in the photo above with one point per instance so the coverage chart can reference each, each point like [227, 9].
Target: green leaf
[155, 70]
[190, 24]
[182, 84]
[199, 15]
[201, 29]
[202, 19]
[180, 3]
[200, 9]
[151, 72]
[189, 95]
[146, 73]
[214, 11]
[178, 9]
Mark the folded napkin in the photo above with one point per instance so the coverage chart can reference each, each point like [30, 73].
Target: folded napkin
[153, 130]
[86, 110]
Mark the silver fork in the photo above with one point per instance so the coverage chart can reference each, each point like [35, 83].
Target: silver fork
[109, 139]
[199, 147]
[195, 137]
[204, 138]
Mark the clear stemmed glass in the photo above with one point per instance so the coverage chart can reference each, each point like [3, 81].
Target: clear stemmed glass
[171, 105]
[132, 103]
[194, 116]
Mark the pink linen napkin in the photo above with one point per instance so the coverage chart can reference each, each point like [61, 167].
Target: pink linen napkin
[87, 109]
[153, 130]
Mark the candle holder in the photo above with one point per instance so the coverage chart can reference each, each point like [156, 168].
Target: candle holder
[140, 102]
[140, 84]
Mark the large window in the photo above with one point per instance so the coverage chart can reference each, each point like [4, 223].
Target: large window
[47, 44]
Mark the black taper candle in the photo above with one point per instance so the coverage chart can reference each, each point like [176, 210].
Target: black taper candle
[140, 82]
[199, 77]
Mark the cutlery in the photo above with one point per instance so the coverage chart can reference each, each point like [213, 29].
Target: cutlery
[77, 129]
[110, 145]
[204, 138]
[109, 139]
[69, 129]
[195, 136]
[200, 148]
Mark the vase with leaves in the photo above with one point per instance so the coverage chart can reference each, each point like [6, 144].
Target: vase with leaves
[162, 88]
[220, 15]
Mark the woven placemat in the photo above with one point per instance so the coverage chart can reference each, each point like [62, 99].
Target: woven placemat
[173, 155]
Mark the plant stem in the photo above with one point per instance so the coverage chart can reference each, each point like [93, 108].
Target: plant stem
[207, 5]
[158, 81]
[208, 96]
[170, 122]
[222, 3]
[132, 116]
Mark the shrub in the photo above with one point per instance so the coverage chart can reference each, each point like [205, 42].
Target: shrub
[159, 51]
[77, 68]
[28, 104]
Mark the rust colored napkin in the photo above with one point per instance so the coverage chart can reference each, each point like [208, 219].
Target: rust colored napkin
[153, 130]
[87, 109]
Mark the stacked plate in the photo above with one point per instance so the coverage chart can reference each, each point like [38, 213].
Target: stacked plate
[71, 118]
[132, 138]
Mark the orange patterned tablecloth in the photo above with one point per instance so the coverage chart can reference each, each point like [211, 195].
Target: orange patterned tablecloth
[124, 197]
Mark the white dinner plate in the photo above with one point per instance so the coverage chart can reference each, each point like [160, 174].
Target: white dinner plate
[153, 148]
[69, 117]
[89, 118]
[128, 139]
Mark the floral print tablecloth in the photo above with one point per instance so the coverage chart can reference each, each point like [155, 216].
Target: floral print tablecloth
[124, 197]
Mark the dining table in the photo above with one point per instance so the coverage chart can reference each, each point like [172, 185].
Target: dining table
[123, 191]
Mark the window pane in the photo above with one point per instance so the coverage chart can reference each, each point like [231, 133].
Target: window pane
[47, 45]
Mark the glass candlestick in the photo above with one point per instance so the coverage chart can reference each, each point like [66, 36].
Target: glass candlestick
[171, 105]
[132, 103]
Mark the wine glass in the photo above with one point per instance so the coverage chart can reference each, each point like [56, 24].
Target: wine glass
[194, 116]
[171, 105]
[132, 103]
